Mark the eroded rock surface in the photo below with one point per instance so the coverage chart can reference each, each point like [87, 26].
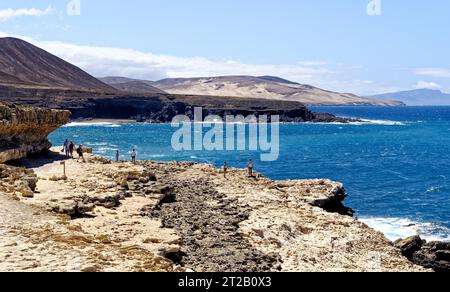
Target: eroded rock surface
[157, 216]
[208, 222]
[24, 130]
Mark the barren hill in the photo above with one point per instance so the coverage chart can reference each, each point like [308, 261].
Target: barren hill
[267, 87]
[22, 63]
[131, 85]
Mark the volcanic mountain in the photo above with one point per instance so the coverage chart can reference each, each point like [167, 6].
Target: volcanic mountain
[266, 87]
[418, 97]
[25, 65]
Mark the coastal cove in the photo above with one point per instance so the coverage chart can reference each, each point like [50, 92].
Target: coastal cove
[394, 167]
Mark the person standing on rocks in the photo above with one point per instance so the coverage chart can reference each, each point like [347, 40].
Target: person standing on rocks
[65, 149]
[133, 156]
[80, 154]
[117, 156]
[250, 167]
[225, 170]
[71, 148]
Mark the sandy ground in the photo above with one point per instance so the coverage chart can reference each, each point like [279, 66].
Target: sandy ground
[108, 239]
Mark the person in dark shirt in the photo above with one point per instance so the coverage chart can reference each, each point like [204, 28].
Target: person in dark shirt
[80, 154]
[71, 148]
[225, 170]
[250, 167]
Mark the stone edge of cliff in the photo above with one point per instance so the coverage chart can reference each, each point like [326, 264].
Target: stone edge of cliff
[24, 130]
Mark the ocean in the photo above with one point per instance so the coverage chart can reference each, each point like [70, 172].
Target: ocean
[395, 165]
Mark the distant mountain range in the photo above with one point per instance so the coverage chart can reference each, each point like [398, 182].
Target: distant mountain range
[265, 87]
[417, 97]
[23, 65]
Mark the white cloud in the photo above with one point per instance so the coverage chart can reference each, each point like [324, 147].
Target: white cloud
[10, 13]
[313, 63]
[433, 72]
[427, 85]
[107, 61]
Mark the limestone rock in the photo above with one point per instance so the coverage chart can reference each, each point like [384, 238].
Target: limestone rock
[18, 181]
[58, 178]
[27, 193]
[24, 130]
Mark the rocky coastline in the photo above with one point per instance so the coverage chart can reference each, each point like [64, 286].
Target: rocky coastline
[157, 216]
[159, 108]
[116, 216]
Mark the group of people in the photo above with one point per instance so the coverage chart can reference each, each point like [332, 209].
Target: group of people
[69, 148]
[250, 167]
[133, 156]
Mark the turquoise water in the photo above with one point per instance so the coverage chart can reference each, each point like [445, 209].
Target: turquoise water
[395, 168]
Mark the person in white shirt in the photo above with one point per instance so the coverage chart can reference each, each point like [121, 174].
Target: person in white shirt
[133, 156]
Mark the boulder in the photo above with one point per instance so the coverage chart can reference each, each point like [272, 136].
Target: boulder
[27, 193]
[87, 150]
[432, 255]
[409, 245]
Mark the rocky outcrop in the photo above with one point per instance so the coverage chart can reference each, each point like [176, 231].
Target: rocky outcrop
[330, 200]
[24, 130]
[431, 255]
[19, 182]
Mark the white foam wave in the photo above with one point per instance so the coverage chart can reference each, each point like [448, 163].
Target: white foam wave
[104, 150]
[156, 156]
[363, 122]
[94, 124]
[93, 144]
[399, 228]
[379, 122]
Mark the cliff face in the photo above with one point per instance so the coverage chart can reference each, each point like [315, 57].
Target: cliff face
[24, 130]
[159, 108]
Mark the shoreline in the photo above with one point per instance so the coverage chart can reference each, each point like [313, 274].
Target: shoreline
[103, 121]
[131, 121]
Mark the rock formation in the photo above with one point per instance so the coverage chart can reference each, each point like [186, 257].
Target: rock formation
[159, 108]
[19, 182]
[431, 255]
[24, 130]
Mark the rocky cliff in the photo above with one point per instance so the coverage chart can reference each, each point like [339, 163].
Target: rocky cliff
[24, 130]
[158, 108]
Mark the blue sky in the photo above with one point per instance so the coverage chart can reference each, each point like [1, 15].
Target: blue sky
[335, 45]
